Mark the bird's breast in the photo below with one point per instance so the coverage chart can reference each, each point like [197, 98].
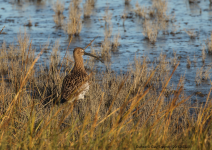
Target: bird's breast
[84, 89]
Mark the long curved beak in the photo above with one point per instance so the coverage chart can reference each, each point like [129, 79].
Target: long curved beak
[98, 58]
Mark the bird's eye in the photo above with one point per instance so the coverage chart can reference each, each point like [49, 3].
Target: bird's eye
[82, 50]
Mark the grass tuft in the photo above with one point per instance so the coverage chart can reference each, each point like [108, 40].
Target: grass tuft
[73, 26]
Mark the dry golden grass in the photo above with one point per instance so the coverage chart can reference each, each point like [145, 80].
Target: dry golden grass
[88, 7]
[199, 76]
[106, 44]
[140, 11]
[207, 73]
[202, 74]
[155, 19]
[115, 43]
[58, 8]
[160, 7]
[2, 29]
[150, 29]
[135, 109]
[74, 22]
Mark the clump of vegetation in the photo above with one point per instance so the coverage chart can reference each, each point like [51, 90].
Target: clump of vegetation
[207, 73]
[29, 24]
[150, 29]
[58, 8]
[116, 43]
[140, 11]
[154, 18]
[160, 7]
[88, 7]
[188, 62]
[106, 44]
[199, 76]
[2, 30]
[202, 75]
[74, 22]
[191, 33]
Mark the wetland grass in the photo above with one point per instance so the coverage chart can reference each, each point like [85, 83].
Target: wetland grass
[202, 74]
[88, 7]
[106, 45]
[116, 43]
[188, 62]
[121, 111]
[58, 8]
[199, 76]
[73, 26]
[140, 11]
[2, 29]
[154, 18]
[136, 109]
[150, 29]
[190, 33]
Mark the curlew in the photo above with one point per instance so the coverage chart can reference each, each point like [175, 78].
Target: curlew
[75, 84]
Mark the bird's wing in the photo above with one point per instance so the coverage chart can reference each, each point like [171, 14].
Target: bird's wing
[71, 83]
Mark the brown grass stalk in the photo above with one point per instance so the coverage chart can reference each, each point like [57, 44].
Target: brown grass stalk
[10, 108]
[2, 29]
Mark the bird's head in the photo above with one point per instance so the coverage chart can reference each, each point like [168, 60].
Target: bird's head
[78, 52]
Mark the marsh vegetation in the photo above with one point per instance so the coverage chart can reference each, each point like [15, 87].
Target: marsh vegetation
[140, 107]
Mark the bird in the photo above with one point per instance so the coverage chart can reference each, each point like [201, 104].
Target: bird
[76, 84]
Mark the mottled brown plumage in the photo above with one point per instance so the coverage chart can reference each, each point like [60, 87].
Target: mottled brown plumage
[75, 84]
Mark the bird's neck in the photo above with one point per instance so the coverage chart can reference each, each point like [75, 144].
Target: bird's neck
[79, 66]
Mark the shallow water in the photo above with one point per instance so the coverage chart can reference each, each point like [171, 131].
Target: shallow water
[196, 16]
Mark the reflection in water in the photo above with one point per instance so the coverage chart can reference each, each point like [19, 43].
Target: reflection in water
[87, 22]
[76, 41]
[58, 19]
